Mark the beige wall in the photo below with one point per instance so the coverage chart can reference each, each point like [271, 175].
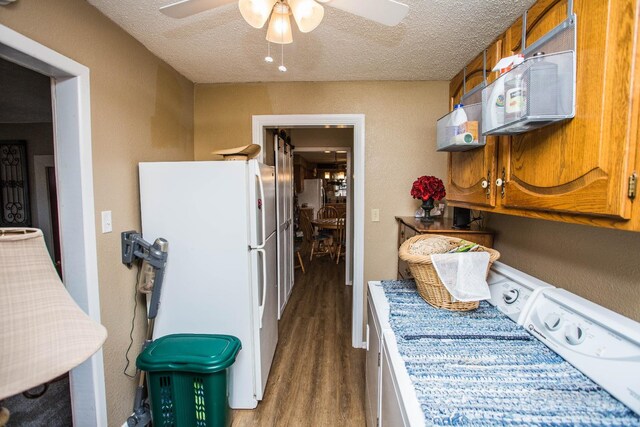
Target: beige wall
[400, 139]
[321, 137]
[596, 263]
[141, 109]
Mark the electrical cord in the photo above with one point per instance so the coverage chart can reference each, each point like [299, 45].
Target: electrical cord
[133, 324]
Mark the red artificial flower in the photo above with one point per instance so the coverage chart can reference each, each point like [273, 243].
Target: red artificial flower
[428, 187]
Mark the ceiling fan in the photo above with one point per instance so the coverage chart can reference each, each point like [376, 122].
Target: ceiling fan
[307, 13]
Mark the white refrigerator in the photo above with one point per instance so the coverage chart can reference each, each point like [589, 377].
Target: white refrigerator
[312, 195]
[221, 277]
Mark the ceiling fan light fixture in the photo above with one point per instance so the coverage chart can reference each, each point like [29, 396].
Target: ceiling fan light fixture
[279, 30]
[307, 13]
[256, 12]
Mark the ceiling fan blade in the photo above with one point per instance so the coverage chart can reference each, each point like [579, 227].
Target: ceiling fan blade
[184, 8]
[387, 12]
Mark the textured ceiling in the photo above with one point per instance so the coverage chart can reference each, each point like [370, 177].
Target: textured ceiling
[435, 40]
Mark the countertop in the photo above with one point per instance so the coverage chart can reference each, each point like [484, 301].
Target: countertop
[440, 224]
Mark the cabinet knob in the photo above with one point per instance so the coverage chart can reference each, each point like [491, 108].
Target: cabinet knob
[499, 182]
[484, 183]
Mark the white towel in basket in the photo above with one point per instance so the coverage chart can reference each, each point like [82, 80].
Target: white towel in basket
[464, 274]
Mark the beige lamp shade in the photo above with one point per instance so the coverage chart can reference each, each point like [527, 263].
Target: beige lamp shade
[256, 12]
[279, 30]
[307, 13]
[43, 333]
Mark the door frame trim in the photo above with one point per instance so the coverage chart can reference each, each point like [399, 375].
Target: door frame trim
[74, 173]
[357, 121]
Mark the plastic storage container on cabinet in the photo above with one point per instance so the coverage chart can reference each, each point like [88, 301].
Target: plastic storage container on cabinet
[188, 379]
[460, 129]
[536, 93]
[539, 91]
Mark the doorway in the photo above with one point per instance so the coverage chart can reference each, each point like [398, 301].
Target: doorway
[323, 179]
[261, 123]
[74, 182]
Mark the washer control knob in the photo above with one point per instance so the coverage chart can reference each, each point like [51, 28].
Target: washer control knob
[574, 334]
[484, 183]
[552, 322]
[510, 296]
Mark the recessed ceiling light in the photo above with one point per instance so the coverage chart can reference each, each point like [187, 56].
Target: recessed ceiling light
[341, 151]
[327, 152]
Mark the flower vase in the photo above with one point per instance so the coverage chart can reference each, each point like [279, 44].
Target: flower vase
[427, 206]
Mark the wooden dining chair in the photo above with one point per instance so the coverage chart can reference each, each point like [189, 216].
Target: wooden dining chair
[327, 212]
[340, 248]
[318, 244]
[300, 247]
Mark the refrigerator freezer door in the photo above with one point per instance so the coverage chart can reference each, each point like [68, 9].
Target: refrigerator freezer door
[267, 280]
[262, 202]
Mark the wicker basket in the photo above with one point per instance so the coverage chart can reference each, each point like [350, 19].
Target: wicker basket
[428, 283]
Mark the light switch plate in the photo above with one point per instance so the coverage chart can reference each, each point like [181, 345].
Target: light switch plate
[375, 215]
[107, 226]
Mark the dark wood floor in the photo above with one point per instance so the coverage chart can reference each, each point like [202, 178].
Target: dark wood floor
[317, 377]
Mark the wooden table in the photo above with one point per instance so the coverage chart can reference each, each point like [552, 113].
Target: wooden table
[328, 223]
[335, 241]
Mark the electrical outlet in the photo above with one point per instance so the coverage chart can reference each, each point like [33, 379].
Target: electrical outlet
[107, 226]
[375, 215]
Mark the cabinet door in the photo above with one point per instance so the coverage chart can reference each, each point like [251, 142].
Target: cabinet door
[581, 165]
[404, 233]
[456, 89]
[468, 169]
[372, 369]
[392, 413]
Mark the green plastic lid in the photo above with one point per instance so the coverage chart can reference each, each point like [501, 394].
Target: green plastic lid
[199, 353]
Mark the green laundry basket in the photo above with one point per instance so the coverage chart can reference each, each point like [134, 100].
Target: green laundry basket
[187, 377]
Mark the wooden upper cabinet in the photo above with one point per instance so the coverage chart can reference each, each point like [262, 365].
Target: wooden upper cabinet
[580, 166]
[543, 16]
[474, 75]
[456, 89]
[469, 169]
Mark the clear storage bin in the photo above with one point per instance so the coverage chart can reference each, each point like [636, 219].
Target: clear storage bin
[464, 137]
[536, 93]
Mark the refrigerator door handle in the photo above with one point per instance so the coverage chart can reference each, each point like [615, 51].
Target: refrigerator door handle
[264, 284]
[262, 211]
